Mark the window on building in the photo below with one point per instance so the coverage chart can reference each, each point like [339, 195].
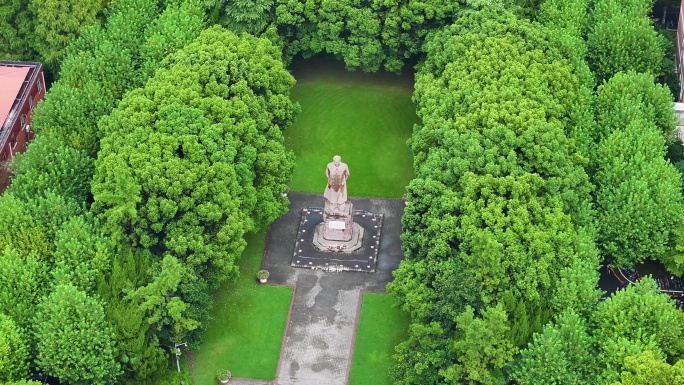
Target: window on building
[23, 120]
[14, 140]
[30, 104]
[40, 85]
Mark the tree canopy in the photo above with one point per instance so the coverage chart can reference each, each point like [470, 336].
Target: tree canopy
[186, 126]
[499, 211]
[14, 351]
[195, 159]
[74, 341]
[621, 37]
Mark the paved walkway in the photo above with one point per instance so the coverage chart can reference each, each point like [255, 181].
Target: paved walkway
[321, 328]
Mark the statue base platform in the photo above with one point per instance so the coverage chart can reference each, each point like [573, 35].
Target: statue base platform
[350, 246]
[313, 251]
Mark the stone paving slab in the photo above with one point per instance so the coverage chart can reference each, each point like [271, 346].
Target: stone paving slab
[320, 333]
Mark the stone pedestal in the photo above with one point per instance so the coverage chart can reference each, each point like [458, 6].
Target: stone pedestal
[350, 246]
[338, 221]
[360, 253]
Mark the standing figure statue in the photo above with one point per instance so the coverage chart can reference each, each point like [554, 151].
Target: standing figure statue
[337, 173]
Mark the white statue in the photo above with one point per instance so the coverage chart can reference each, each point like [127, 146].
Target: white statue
[337, 173]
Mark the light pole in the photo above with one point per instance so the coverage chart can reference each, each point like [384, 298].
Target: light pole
[176, 350]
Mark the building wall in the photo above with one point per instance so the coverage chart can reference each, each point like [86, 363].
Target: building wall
[20, 132]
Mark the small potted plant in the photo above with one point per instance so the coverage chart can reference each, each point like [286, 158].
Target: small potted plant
[262, 275]
[223, 376]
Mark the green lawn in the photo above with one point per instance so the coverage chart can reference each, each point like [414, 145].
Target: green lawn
[248, 321]
[381, 328]
[365, 118]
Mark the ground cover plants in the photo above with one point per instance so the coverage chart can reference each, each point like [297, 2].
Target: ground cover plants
[381, 326]
[247, 324]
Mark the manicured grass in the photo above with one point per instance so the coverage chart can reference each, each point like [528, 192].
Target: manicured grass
[381, 328]
[248, 321]
[365, 118]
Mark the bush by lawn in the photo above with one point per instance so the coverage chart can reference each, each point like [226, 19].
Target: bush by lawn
[248, 321]
[381, 327]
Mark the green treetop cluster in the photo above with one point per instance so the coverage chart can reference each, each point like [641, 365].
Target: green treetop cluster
[195, 159]
[51, 240]
[500, 205]
[541, 152]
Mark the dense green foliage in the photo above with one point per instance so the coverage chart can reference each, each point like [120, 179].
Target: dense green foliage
[638, 197]
[563, 353]
[190, 163]
[500, 197]
[75, 343]
[500, 225]
[366, 36]
[105, 62]
[15, 23]
[41, 30]
[24, 284]
[621, 37]
[633, 334]
[630, 96]
[139, 353]
[634, 320]
[57, 23]
[52, 166]
[14, 351]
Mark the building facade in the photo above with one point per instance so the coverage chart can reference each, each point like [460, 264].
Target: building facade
[22, 85]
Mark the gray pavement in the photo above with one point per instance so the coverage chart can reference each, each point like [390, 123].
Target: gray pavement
[320, 333]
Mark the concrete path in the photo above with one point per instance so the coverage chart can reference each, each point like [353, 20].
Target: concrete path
[321, 328]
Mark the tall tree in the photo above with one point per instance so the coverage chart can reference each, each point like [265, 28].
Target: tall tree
[49, 165]
[635, 320]
[81, 254]
[564, 353]
[628, 96]
[163, 307]
[638, 199]
[139, 353]
[25, 281]
[175, 27]
[499, 212]
[480, 348]
[648, 368]
[621, 38]
[14, 353]
[75, 342]
[366, 35]
[15, 22]
[30, 225]
[57, 23]
[69, 114]
[213, 166]
[249, 16]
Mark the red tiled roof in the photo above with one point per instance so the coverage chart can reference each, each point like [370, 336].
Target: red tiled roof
[11, 79]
